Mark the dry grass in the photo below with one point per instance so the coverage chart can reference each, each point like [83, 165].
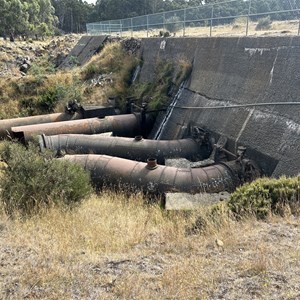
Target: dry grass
[115, 246]
[235, 29]
[114, 62]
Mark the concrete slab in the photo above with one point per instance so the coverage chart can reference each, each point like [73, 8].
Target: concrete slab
[185, 201]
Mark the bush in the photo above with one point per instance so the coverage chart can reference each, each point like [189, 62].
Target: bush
[33, 181]
[265, 196]
[41, 67]
[173, 24]
[48, 97]
[240, 21]
[264, 24]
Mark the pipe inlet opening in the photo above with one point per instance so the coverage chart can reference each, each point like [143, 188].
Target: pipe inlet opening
[138, 138]
[152, 163]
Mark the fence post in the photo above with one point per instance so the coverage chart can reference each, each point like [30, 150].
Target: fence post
[121, 28]
[184, 19]
[164, 21]
[131, 25]
[211, 21]
[248, 17]
[147, 25]
[299, 27]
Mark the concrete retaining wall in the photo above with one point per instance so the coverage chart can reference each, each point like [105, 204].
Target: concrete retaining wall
[229, 71]
[86, 47]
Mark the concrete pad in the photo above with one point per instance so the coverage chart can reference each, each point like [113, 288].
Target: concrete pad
[185, 201]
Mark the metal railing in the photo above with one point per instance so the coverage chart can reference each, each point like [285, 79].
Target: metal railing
[236, 17]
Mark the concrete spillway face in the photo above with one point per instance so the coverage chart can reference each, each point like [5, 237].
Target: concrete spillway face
[239, 71]
[86, 47]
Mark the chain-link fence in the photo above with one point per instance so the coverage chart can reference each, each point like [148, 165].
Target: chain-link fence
[237, 17]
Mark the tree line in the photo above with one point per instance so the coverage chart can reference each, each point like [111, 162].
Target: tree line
[43, 17]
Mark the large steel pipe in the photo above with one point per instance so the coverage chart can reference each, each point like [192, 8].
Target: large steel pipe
[132, 148]
[122, 125]
[6, 125]
[107, 170]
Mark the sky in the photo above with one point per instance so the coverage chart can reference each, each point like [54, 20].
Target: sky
[91, 1]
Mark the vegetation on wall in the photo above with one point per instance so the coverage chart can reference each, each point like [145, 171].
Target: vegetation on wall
[164, 85]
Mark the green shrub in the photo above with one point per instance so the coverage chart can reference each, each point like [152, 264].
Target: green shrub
[265, 196]
[73, 61]
[264, 24]
[41, 67]
[173, 24]
[34, 181]
[50, 97]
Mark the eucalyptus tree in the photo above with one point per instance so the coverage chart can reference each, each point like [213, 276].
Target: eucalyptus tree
[26, 17]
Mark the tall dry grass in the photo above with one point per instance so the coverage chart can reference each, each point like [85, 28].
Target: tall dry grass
[115, 246]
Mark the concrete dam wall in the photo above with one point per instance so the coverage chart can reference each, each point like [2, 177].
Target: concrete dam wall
[238, 71]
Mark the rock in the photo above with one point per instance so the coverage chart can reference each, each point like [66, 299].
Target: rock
[102, 79]
[24, 68]
[219, 244]
[131, 45]
[27, 62]
[3, 165]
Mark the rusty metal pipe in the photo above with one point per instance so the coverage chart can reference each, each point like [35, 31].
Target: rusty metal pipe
[131, 148]
[115, 171]
[122, 125]
[7, 124]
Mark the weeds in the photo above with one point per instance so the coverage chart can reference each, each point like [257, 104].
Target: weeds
[166, 80]
[41, 67]
[38, 94]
